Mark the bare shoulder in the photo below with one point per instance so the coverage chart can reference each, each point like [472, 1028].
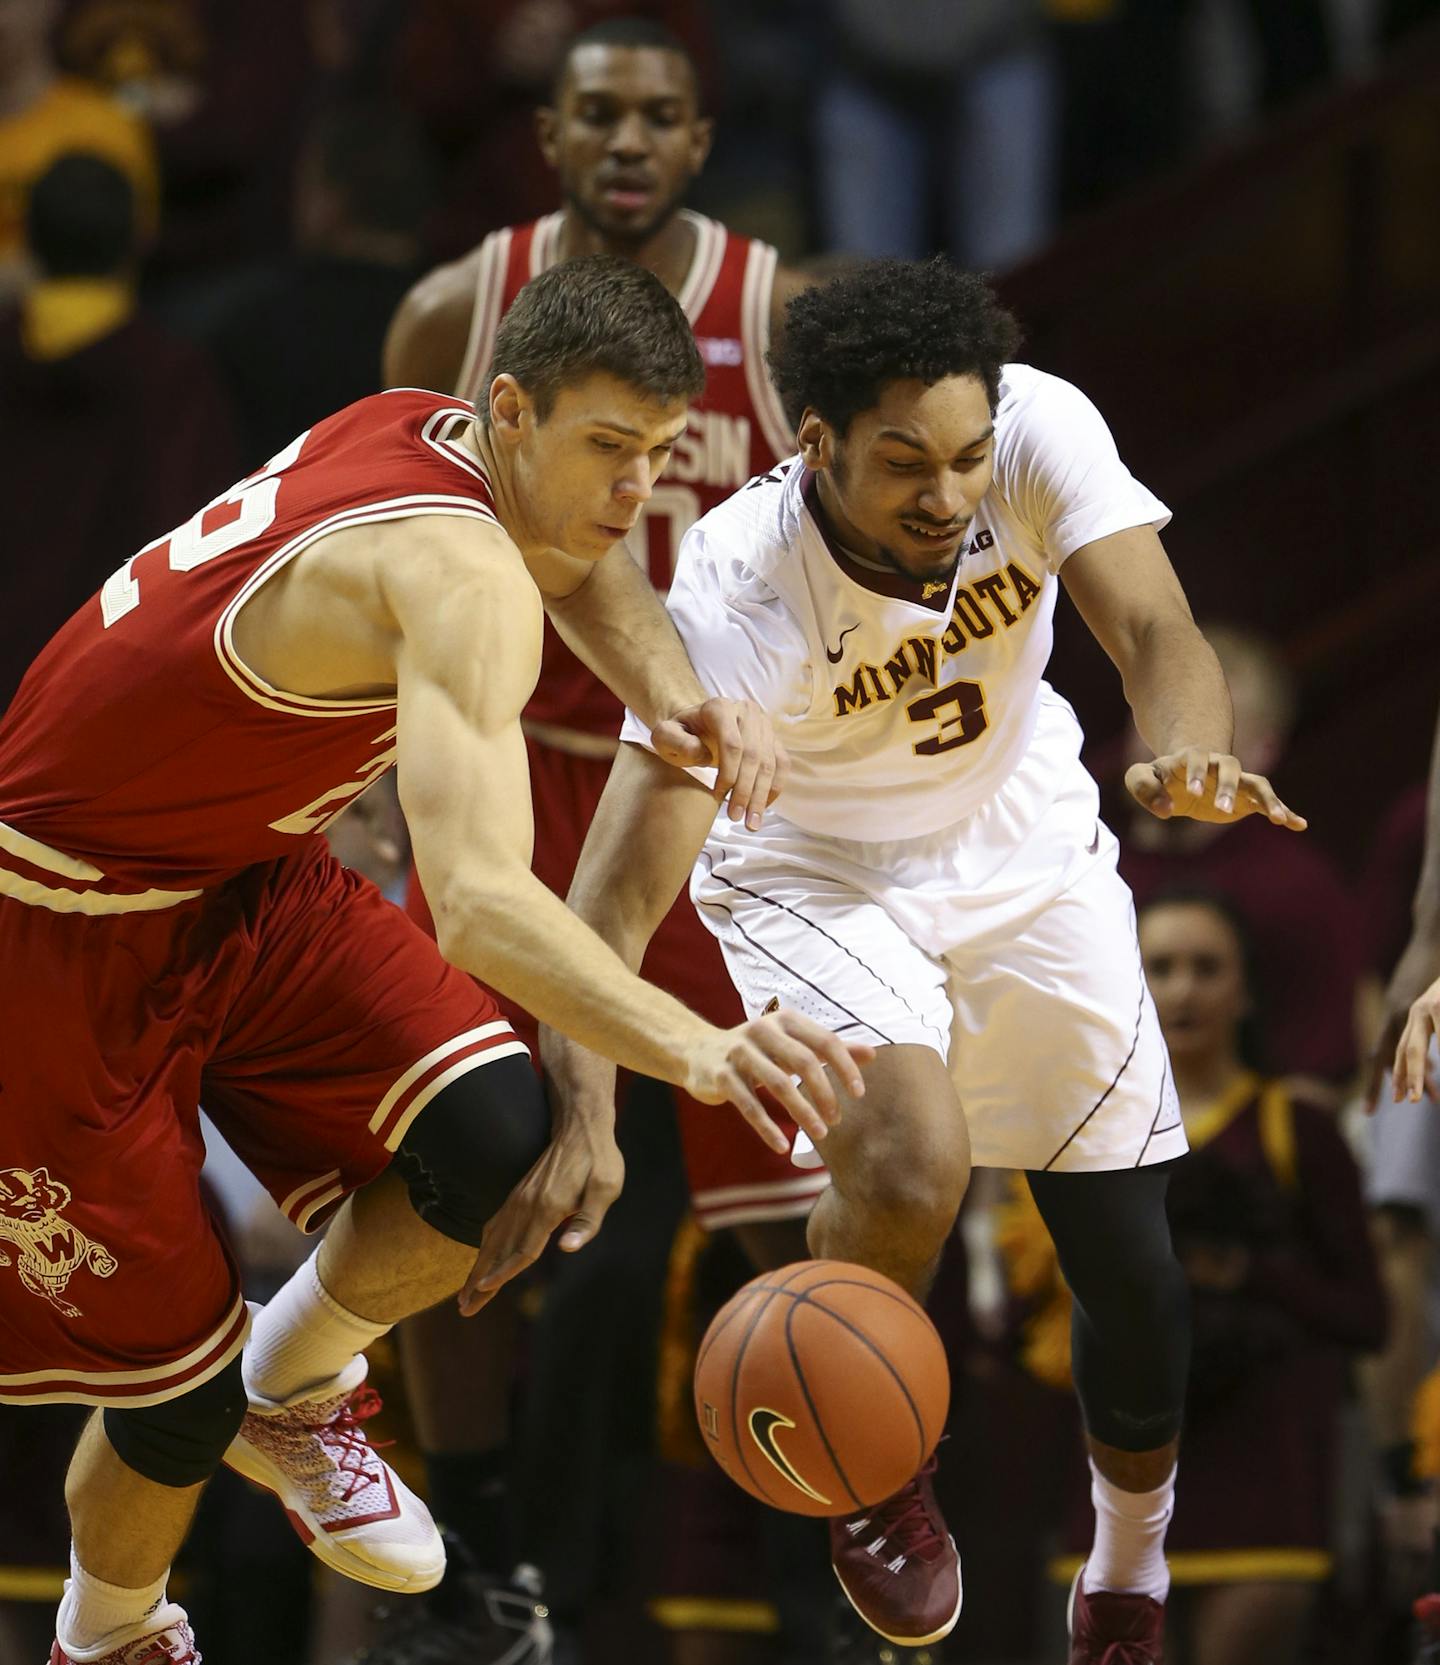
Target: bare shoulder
[425, 344]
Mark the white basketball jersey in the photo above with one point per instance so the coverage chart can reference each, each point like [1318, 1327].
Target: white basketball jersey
[900, 717]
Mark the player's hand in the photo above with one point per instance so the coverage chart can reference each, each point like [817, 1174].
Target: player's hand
[578, 1176]
[1206, 786]
[1411, 982]
[738, 739]
[1412, 1074]
[770, 1052]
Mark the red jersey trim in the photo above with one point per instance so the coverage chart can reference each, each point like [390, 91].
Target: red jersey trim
[436, 1070]
[58, 1386]
[305, 705]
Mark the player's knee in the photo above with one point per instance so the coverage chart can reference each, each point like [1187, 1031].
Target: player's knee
[909, 1193]
[472, 1144]
[180, 1442]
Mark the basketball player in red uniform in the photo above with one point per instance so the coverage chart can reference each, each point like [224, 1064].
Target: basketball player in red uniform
[172, 928]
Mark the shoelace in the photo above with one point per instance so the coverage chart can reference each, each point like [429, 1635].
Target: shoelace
[356, 1449]
[904, 1521]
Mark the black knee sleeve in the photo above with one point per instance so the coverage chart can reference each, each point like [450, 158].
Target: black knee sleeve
[1130, 1335]
[472, 1144]
[180, 1442]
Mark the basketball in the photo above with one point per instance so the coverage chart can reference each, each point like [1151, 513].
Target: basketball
[821, 1388]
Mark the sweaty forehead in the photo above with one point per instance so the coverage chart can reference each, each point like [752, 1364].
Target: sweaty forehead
[633, 74]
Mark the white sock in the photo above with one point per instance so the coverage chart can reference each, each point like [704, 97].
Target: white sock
[1129, 1553]
[93, 1615]
[302, 1339]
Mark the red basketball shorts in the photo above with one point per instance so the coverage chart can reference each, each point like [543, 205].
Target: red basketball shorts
[733, 1177]
[309, 1017]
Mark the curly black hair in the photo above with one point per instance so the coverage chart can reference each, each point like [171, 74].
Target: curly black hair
[884, 321]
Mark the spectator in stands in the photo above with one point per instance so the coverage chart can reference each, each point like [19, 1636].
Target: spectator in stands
[227, 89]
[111, 430]
[934, 126]
[1269, 1222]
[1297, 909]
[44, 114]
[303, 337]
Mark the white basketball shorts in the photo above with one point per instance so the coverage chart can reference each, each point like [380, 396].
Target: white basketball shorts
[1006, 942]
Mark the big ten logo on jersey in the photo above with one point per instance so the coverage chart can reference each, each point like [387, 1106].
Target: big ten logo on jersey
[244, 512]
[332, 804]
[998, 601]
[710, 460]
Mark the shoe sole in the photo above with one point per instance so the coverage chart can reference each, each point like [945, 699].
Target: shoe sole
[253, 1466]
[910, 1641]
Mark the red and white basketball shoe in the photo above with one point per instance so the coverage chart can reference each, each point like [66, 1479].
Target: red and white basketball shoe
[1107, 1628]
[163, 1637]
[898, 1565]
[349, 1506]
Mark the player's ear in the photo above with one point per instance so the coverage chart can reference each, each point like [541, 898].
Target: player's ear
[702, 136]
[547, 134]
[816, 440]
[510, 406]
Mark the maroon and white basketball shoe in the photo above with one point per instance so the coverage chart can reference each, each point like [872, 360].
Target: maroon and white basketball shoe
[349, 1506]
[1107, 1628]
[898, 1565]
[163, 1637]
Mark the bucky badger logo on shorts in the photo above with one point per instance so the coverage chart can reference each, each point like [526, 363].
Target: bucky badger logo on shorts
[51, 1249]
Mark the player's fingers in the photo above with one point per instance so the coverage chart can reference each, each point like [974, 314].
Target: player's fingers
[1410, 1055]
[1264, 797]
[781, 778]
[761, 1071]
[723, 726]
[1195, 767]
[1380, 1060]
[735, 1088]
[677, 745]
[577, 1229]
[844, 1057]
[760, 793]
[1145, 782]
[742, 793]
[797, 1059]
[1227, 782]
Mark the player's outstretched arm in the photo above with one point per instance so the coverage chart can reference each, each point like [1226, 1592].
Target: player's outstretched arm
[610, 616]
[467, 625]
[1126, 591]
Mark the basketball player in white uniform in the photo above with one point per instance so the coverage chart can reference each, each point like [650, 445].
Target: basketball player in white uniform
[936, 879]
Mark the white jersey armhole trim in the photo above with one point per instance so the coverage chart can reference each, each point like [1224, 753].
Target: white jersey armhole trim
[705, 264]
[451, 450]
[485, 310]
[756, 298]
[304, 705]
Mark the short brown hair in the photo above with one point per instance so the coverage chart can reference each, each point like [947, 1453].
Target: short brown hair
[596, 315]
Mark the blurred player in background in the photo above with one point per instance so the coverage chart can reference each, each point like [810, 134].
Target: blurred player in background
[173, 928]
[939, 881]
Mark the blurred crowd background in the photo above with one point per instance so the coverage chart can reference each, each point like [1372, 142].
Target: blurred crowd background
[1218, 218]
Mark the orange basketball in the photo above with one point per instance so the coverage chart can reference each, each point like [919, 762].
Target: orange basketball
[821, 1388]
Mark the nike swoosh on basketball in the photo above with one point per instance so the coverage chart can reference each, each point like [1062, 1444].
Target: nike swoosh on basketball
[835, 654]
[763, 1424]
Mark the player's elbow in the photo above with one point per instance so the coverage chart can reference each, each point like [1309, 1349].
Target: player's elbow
[474, 920]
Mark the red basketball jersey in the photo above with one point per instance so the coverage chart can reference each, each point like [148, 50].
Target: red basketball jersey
[737, 427]
[141, 760]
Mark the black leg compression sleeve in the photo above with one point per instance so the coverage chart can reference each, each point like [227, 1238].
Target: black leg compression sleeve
[180, 1442]
[472, 1144]
[1130, 1336]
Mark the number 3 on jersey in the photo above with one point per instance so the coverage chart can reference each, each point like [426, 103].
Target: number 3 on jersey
[211, 532]
[958, 708]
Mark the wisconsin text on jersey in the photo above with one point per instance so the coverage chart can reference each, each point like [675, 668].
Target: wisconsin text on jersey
[971, 619]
